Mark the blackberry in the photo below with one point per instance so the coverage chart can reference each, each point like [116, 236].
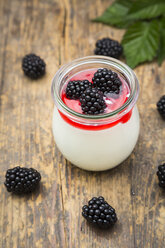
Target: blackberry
[161, 175]
[108, 47]
[106, 81]
[99, 213]
[92, 102]
[161, 106]
[22, 180]
[33, 66]
[74, 89]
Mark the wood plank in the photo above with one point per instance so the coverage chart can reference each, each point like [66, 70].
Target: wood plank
[60, 31]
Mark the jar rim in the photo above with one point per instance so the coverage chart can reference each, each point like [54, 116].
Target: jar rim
[109, 61]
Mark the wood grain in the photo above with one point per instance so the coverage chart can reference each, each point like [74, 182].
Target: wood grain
[60, 31]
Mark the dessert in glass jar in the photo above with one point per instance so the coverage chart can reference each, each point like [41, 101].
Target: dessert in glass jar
[95, 118]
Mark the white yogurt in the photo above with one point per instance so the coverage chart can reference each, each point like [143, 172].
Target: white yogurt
[96, 150]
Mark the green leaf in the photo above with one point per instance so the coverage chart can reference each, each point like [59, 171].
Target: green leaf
[146, 9]
[161, 51]
[141, 42]
[116, 14]
[122, 13]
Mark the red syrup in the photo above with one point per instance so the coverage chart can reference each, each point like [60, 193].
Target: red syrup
[113, 102]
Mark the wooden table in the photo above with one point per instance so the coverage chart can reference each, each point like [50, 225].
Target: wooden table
[60, 31]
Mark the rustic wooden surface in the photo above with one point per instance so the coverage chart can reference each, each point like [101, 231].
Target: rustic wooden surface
[60, 31]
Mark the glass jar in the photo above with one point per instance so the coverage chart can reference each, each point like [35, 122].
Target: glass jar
[97, 142]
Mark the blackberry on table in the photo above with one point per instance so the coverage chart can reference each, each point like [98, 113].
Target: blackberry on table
[161, 106]
[33, 66]
[107, 81]
[74, 89]
[92, 102]
[161, 175]
[99, 213]
[108, 47]
[22, 180]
